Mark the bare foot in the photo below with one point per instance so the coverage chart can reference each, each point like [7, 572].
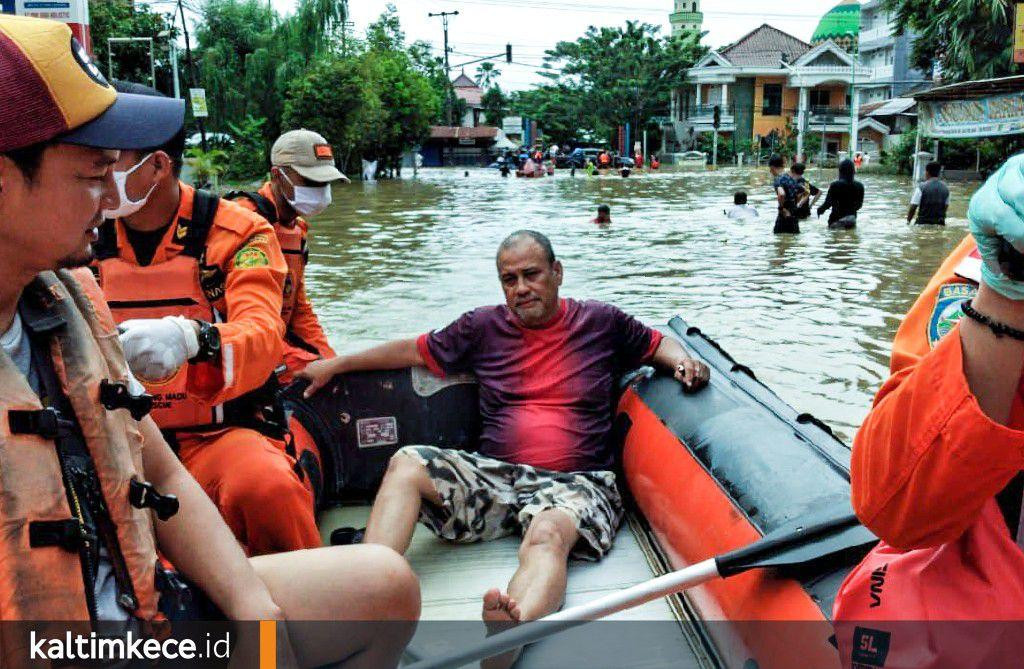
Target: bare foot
[500, 613]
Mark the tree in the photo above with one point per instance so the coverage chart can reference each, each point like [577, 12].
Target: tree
[495, 103]
[609, 77]
[121, 18]
[487, 75]
[970, 39]
[335, 98]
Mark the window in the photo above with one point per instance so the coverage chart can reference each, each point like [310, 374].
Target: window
[819, 97]
[772, 100]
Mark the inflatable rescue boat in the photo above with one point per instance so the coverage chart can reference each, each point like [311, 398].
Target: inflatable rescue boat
[704, 474]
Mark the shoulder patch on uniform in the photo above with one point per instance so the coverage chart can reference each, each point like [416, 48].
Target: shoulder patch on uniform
[249, 257]
[948, 312]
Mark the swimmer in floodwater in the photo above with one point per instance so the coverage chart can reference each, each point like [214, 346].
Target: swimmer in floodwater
[740, 209]
[604, 215]
[624, 172]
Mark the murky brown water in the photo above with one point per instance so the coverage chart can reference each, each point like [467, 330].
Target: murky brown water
[812, 315]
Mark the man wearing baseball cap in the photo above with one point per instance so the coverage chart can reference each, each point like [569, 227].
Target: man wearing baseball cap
[91, 490]
[301, 173]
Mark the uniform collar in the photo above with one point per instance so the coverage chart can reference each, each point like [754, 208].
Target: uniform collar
[170, 245]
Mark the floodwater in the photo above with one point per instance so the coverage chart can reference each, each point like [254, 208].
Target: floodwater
[813, 315]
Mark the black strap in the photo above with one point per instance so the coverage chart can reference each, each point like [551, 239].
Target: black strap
[143, 495]
[264, 207]
[68, 534]
[998, 329]
[47, 423]
[117, 396]
[106, 246]
[204, 209]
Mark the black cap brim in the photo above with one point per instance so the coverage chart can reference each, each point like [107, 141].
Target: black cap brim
[132, 122]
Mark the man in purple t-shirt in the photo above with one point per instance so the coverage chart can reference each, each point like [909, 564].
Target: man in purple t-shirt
[547, 369]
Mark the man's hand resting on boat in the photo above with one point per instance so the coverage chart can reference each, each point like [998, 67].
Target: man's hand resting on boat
[691, 373]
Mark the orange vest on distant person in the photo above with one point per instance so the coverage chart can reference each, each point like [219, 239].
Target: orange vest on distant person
[293, 245]
[41, 581]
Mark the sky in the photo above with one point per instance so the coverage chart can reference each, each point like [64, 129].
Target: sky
[484, 26]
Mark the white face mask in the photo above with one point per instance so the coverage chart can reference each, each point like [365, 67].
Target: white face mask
[127, 206]
[309, 200]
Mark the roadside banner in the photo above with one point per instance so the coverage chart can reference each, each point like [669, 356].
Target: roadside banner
[75, 13]
[1001, 114]
[198, 99]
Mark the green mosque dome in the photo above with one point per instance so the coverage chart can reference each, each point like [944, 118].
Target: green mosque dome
[841, 24]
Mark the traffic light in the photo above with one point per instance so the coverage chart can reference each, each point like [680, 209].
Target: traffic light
[508, 53]
[716, 116]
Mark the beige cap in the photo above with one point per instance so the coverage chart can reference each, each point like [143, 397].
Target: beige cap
[308, 153]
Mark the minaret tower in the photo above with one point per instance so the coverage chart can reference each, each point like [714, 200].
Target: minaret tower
[687, 16]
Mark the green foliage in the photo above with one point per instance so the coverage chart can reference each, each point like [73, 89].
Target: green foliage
[487, 75]
[206, 165]
[972, 39]
[247, 156]
[608, 77]
[248, 55]
[900, 159]
[122, 18]
[494, 102]
[336, 100]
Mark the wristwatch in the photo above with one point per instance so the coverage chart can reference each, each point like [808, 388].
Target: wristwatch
[209, 343]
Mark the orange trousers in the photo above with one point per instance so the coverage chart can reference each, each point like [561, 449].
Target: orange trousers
[252, 481]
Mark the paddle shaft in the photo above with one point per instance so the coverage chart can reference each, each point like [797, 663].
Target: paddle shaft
[676, 581]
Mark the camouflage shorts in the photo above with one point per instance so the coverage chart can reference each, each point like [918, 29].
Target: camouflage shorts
[483, 498]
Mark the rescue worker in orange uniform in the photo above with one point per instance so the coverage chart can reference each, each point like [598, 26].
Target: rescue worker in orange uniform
[946, 434]
[195, 283]
[92, 492]
[302, 171]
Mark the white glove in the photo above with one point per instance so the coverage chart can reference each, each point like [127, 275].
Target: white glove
[156, 347]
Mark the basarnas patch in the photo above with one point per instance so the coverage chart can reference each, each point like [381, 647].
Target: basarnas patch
[249, 257]
[948, 309]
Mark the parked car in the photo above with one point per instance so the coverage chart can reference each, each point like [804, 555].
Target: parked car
[579, 157]
[624, 161]
[693, 158]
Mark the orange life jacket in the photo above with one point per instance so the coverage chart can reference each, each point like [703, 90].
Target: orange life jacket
[293, 246]
[41, 558]
[604, 159]
[187, 287]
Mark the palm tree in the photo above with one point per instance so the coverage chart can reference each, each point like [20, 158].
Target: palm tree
[487, 75]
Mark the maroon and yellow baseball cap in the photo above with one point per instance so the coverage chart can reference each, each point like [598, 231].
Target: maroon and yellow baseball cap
[51, 89]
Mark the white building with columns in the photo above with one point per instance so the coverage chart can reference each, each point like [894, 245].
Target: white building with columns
[766, 85]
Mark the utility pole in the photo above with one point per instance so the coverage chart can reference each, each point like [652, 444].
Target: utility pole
[191, 69]
[444, 24]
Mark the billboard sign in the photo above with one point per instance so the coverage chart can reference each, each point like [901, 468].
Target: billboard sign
[1001, 114]
[73, 12]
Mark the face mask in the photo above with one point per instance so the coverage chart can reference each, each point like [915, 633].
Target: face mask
[127, 206]
[309, 200]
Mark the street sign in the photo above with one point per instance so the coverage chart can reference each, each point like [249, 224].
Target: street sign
[198, 98]
[1018, 33]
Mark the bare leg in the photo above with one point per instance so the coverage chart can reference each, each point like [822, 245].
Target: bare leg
[538, 586]
[366, 597]
[397, 506]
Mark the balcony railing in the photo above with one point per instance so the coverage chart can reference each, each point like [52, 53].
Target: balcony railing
[819, 114]
[708, 110]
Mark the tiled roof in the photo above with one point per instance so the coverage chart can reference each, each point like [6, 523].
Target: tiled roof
[473, 96]
[463, 81]
[765, 47]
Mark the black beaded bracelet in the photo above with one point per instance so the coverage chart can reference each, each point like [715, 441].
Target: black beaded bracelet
[997, 328]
